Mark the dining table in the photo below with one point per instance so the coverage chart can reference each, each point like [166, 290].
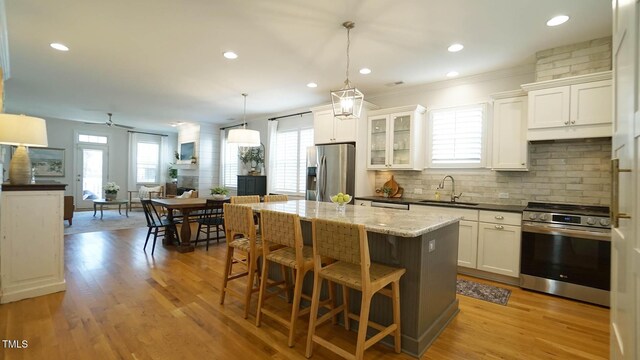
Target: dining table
[187, 207]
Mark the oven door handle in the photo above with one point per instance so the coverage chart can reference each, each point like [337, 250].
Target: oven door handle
[591, 235]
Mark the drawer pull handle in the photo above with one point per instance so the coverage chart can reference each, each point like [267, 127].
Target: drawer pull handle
[499, 227]
[499, 217]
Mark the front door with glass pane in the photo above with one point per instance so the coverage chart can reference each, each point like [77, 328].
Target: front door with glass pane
[91, 174]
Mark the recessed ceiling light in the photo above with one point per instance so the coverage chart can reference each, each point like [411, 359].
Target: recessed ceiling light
[455, 47]
[365, 71]
[557, 20]
[59, 46]
[452, 74]
[230, 55]
[312, 85]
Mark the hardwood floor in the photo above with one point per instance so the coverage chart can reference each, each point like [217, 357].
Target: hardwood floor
[121, 303]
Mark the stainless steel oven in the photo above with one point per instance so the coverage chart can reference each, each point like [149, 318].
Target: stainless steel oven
[566, 251]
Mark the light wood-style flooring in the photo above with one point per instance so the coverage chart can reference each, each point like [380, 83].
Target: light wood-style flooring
[121, 303]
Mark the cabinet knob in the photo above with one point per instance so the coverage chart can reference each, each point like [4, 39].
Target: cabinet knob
[566, 122]
[499, 217]
[499, 227]
[573, 121]
[523, 164]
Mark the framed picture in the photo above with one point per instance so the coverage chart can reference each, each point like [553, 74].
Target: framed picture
[46, 161]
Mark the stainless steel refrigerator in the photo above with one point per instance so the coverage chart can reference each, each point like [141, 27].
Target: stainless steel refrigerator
[330, 170]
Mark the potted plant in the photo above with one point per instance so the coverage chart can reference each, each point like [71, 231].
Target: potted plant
[111, 191]
[386, 191]
[173, 173]
[219, 192]
[252, 158]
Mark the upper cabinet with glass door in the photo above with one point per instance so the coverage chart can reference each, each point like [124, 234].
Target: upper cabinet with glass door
[395, 136]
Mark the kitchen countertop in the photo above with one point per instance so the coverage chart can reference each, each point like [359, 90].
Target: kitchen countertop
[412, 201]
[378, 220]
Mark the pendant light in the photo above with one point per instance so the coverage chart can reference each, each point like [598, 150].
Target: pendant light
[347, 102]
[244, 136]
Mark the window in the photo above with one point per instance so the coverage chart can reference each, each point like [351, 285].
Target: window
[230, 165]
[457, 136]
[148, 162]
[291, 160]
[95, 139]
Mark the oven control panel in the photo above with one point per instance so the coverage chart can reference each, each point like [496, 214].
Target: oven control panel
[569, 219]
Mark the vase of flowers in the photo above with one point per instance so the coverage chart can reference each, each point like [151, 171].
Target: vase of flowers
[219, 193]
[111, 191]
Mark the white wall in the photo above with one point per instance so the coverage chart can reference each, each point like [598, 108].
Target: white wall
[60, 135]
[467, 90]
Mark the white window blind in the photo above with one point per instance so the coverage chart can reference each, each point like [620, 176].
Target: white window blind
[148, 162]
[230, 167]
[457, 136]
[291, 160]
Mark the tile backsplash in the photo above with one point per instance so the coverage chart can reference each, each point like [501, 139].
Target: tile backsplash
[561, 171]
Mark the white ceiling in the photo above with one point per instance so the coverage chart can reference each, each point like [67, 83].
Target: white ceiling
[152, 62]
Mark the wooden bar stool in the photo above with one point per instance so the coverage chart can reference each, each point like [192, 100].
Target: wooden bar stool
[348, 245]
[238, 220]
[247, 199]
[271, 198]
[284, 230]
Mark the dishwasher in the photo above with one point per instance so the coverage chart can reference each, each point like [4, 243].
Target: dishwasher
[389, 205]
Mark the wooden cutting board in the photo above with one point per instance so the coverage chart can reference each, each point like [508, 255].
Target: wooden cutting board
[393, 185]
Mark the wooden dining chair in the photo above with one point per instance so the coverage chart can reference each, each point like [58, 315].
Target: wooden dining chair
[271, 198]
[283, 229]
[247, 199]
[210, 217]
[240, 231]
[348, 245]
[156, 224]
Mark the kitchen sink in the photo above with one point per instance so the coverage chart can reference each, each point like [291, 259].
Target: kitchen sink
[457, 203]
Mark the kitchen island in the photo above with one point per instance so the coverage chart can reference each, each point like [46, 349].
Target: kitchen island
[425, 245]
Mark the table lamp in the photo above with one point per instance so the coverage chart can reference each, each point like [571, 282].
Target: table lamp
[22, 131]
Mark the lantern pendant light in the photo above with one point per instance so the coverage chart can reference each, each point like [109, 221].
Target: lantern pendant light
[244, 136]
[347, 102]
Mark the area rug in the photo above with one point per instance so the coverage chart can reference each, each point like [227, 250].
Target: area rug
[84, 221]
[484, 292]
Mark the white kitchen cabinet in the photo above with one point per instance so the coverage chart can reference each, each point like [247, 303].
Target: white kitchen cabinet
[549, 108]
[467, 230]
[31, 241]
[510, 145]
[487, 240]
[328, 129]
[467, 243]
[363, 203]
[396, 138]
[499, 243]
[570, 108]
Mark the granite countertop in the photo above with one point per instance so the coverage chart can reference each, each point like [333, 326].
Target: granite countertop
[379, 220]
[412, 201]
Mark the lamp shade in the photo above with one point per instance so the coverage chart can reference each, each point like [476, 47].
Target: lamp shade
[22, 130]
[244, 137]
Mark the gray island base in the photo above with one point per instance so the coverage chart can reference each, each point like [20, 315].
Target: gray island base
[400, 238]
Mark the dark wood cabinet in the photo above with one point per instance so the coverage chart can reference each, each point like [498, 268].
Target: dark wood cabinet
[171, 188]
[252, 185]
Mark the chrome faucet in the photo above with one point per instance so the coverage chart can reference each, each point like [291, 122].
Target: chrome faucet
[453, 187]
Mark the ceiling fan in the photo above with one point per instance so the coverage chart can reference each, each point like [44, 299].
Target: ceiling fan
[111, 123]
